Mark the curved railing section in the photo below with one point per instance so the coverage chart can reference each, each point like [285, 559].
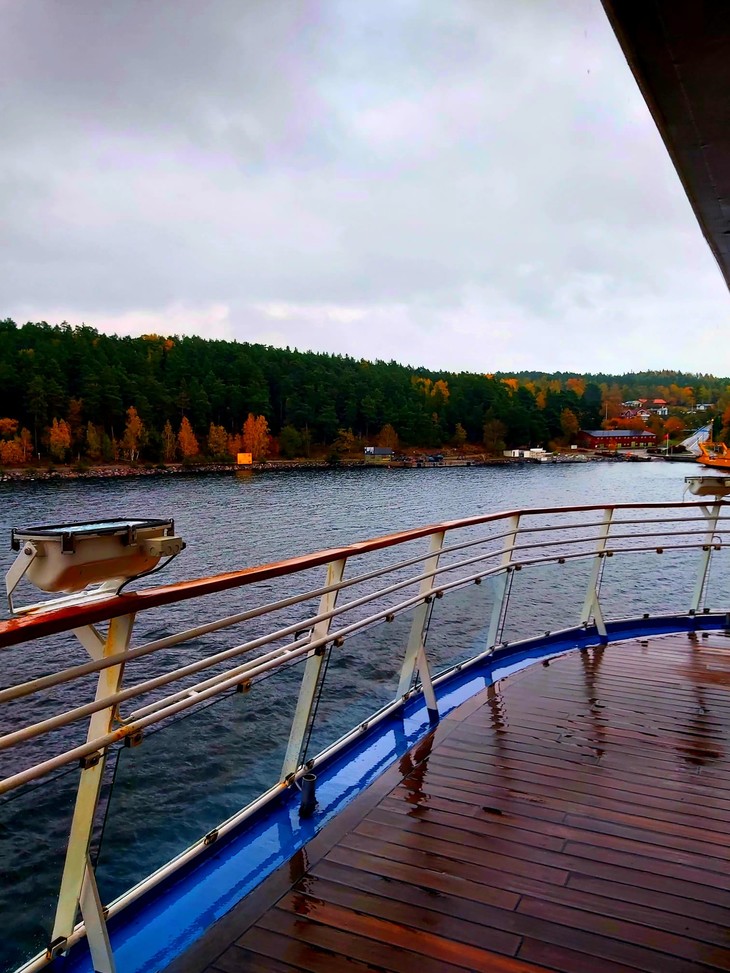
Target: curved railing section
[239, 686]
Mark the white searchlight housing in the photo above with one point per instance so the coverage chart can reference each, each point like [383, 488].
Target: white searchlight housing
[708, 486]
[70, 558]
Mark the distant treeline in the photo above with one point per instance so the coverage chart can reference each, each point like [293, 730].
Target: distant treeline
[87, 382]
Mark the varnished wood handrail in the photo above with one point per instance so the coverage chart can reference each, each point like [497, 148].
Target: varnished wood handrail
[33, 626]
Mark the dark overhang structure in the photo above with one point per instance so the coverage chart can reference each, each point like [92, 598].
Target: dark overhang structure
[679, 52]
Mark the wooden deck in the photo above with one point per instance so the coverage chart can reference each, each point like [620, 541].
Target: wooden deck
[574, 817]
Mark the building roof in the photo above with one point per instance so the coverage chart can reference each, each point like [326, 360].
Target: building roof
[613, 433]
[679, 53]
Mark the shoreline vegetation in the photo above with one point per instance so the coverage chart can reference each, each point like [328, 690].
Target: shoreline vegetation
[125, 470]
[74, 400]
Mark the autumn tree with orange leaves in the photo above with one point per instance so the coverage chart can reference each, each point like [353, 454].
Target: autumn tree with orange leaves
[12, 449]
[59, 439]
[255, 438]
[577, 385]
[187, 440]
[673, 427]
[633, 423]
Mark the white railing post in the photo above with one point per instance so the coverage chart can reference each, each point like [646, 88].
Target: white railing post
[312, 669]
[712, 515]
[78, 885]
[501, 582]
[592, 605]
[415, 660]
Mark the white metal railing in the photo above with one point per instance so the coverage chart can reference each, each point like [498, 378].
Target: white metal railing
[458, 553]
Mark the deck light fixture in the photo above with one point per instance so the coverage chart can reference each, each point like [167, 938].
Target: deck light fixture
[70, 558]
[708, 486]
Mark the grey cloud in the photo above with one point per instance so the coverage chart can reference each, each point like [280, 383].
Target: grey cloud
[478, 179]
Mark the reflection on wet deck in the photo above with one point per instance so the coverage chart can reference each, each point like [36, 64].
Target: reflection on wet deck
[574, 817]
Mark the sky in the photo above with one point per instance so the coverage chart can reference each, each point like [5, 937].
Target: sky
[473, 185]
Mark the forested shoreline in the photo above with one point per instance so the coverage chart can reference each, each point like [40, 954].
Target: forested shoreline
[73, 394]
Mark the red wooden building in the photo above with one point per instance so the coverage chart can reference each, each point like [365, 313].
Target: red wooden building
[615, 438]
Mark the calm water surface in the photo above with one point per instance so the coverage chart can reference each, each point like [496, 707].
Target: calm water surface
[179, 784]
[230, 522]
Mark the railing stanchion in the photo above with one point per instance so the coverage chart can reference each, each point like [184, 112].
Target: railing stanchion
[97, 933]
[75, 878]
[592, 604]
[501, 583]
[712, 515]
[415, 658]
[312, 670]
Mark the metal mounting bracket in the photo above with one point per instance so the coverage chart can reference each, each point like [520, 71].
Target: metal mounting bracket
[18, 568]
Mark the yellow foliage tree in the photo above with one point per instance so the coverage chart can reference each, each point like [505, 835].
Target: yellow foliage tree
[388, 437]
[169, 443]
[570, 425]
[93, 441]
[459, 437]
[440, 392]
[217, 442]
[255, 438]
[133, 432]
[577, 385]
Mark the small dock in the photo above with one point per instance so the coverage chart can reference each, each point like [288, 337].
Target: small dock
[573, 817]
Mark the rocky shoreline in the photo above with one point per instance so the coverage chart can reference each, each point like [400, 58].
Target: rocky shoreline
[119, 472]
[122, 471]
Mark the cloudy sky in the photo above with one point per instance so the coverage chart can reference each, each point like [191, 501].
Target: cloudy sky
[466, 185]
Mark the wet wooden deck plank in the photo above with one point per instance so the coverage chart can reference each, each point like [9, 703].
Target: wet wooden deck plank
[572, 818]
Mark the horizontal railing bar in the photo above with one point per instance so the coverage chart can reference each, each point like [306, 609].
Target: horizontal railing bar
[83, 669]
[227, 680]
[70, 716]
[51, 622]
[610, 538]
[580, 525]
[45, 682]
[555, 559]
[168, 706]
[230, 682]
[170, 641]
[191, 668]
